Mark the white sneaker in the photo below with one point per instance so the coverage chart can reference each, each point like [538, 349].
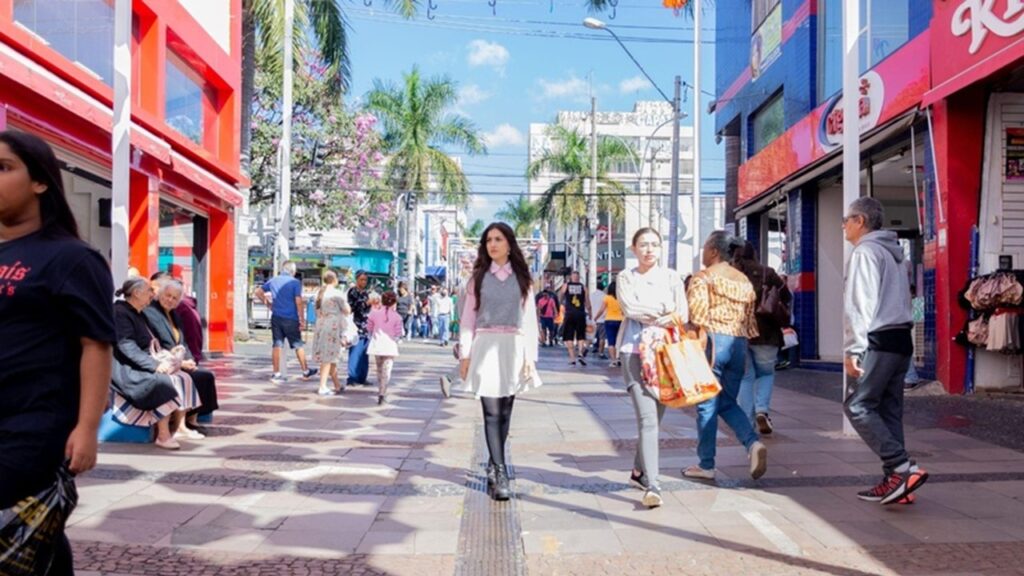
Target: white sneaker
[699, 473]
[188, 433]
[758, 459]
[652, 498]
[276, 377]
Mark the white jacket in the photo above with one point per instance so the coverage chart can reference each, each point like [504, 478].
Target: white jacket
[877, 290]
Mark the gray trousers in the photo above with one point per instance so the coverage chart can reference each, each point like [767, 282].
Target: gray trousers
[649, 413]
[875, 406]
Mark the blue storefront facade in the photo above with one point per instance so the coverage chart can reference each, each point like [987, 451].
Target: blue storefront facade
[777, 108]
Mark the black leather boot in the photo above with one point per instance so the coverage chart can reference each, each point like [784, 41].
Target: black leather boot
[501, 490]
[490, 476]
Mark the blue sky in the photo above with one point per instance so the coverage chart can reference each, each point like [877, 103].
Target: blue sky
[519, 67]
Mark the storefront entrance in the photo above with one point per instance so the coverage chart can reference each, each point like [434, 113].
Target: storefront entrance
[184, 242]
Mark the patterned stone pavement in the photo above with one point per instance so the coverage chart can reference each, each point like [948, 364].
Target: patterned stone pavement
[293, 484]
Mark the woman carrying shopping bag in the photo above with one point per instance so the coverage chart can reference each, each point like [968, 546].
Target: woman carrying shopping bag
[56, 345]
[499, 341]
[650, 295]
[722, 302]
[384, 326]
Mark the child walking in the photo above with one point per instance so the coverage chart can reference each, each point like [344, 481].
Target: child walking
[385, 328]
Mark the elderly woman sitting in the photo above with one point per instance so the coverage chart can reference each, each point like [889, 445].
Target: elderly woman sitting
[149, 385]
[167, 326]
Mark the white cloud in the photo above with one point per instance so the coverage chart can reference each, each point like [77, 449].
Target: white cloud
[634, 84]
[504, 136]
[472, 94]
[491, 54]
[572, 88]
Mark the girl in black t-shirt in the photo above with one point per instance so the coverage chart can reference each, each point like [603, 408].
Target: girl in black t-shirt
[56, 330]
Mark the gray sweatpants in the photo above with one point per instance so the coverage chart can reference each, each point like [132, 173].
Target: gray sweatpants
[649, 413]
[875, 406]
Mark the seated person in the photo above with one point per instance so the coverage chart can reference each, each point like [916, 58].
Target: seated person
[168, 327]
[149, 387]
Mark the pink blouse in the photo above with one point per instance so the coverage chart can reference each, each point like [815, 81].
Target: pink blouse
[386, 320]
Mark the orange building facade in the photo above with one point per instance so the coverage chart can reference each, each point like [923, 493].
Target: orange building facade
[56, 73]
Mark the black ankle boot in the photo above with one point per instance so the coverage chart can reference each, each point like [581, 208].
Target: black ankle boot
[490, 476]
[501, 490]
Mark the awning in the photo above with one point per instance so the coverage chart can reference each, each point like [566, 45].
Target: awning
[825, 165]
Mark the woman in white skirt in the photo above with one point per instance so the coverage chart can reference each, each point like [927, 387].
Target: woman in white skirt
[498, 341]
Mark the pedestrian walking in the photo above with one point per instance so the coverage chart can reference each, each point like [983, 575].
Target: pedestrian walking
[331, 310]
[547, 308]
[444, 316]
[596, 298]
[576, 304]
[434, 300]
[56, 335]
[879, 348]
[650, 295]
[499, 341]
[287, 317]
[406, 309]
[722, 301]
[384, 326]
[611, 310]
[359, 303]
[772, 314]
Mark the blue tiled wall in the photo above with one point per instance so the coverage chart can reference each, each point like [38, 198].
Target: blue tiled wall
[803, 212]
[754, 231]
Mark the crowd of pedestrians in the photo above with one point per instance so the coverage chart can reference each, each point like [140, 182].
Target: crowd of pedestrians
[73, 347]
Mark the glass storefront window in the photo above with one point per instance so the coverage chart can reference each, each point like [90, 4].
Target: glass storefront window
[182, 248]
[767, 124]
[81, 30]
[885, 27]
[184, 104]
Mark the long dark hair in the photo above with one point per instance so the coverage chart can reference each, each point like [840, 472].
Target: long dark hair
[43, 168]
[483, 261]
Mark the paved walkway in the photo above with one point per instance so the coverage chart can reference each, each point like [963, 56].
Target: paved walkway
[291, 483]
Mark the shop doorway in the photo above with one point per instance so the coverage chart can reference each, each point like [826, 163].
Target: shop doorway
[183, 250]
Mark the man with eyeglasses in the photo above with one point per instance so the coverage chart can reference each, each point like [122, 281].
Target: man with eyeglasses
[879, 346]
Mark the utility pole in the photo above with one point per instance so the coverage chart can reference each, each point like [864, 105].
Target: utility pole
[697, 240]
[673, 217]
[120, 141]
[592, 199]
[283, 250]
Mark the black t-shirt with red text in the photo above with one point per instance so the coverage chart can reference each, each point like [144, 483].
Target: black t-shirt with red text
[53, 293]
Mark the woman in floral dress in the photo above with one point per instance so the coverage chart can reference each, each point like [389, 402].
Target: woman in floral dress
[332, 308]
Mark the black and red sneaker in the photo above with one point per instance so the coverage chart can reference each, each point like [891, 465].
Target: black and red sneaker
[895, 486]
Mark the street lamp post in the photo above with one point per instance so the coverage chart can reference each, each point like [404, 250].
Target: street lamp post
[673, 231]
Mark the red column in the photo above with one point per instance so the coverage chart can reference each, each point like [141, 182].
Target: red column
[143, 224]
[221, 315]
[959, 136]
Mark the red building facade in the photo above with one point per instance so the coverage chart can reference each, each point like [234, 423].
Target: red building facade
[56, 69]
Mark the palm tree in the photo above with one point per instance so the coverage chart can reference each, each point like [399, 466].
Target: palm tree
[417, 124]
[564, 200]
[474, 230]
[521, 214]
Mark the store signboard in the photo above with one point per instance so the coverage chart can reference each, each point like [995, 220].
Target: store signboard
[1014, 155]
[766, 43]
[869, 110]
[973, 39]
[904, 75]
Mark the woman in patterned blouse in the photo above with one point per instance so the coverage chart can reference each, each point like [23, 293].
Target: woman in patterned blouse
[722, 301]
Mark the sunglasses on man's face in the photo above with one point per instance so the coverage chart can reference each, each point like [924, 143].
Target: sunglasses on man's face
[850, 217]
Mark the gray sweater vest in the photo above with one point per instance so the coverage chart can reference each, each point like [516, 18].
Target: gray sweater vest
[500, 303]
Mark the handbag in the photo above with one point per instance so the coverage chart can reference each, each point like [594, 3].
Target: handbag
[789, 339]
[31, 529]
[771, 306]
[349, 332]
[675, 364]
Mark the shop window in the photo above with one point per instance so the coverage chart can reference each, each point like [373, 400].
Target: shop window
[767, 124]
[81, 30]
[184, 103]
[885, 27]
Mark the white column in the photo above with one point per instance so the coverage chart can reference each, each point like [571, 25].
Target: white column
[283, 249]
[851, 133]
[697, 240]
[121, 141]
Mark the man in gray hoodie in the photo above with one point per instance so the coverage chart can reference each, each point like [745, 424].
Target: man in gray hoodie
[879, 346]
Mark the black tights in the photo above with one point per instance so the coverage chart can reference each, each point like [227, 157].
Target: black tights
[497, 418]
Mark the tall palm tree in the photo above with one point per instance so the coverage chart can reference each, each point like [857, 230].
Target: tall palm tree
[521, 214]
[571, 161]
[418, 123]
